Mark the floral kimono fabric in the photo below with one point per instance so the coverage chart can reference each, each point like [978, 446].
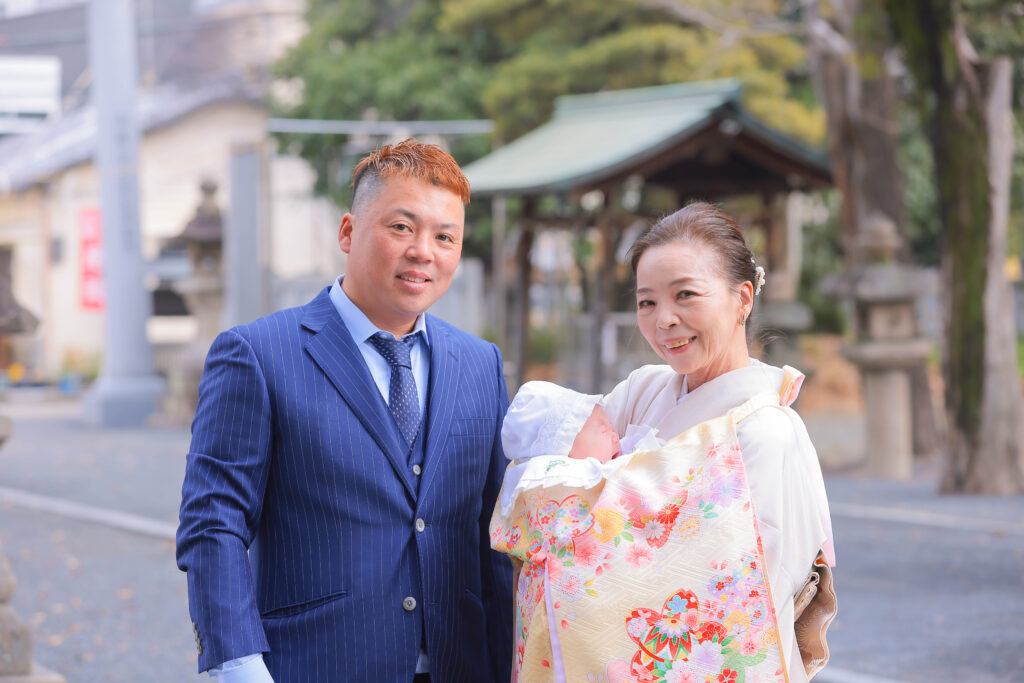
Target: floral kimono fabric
[655, 574]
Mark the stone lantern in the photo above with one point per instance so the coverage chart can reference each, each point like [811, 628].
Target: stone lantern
[203, 289]
[203, 238]
[16, 663]
[888, 347]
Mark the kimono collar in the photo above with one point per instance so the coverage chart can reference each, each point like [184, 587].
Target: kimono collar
[718, 396]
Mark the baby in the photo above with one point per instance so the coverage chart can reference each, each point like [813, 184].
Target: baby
[548, 419]
[548, 428]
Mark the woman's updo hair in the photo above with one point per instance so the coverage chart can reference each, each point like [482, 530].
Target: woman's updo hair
[703, 223]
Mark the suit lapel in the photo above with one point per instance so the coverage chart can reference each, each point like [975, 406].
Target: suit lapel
[332, 348]
[444, 381]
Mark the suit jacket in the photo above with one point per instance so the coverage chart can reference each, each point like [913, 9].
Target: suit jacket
[300, 514]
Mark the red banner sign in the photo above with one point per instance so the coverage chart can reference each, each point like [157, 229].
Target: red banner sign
[91, 259]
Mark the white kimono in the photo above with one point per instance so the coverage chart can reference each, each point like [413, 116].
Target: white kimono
[783, 472]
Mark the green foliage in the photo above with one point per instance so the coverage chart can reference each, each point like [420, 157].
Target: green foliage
[1020, 357]
[384, 60]
[922, 224]
[509, 59]
[995, 29]
[544, 345]
[555, 47]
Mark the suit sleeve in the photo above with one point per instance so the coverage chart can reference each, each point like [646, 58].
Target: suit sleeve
[221, 501]
[495, 567]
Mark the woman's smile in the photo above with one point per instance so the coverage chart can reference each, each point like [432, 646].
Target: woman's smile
[679, 344]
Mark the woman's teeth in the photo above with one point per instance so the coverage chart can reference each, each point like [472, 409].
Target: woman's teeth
[677, 344]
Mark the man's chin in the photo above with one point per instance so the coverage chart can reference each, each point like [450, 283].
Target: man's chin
[418, 302]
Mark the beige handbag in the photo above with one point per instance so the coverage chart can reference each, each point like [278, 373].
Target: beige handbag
[814, 609]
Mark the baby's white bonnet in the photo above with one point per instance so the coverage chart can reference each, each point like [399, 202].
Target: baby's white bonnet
[544, 419]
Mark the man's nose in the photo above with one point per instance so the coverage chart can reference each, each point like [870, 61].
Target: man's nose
[421, 248]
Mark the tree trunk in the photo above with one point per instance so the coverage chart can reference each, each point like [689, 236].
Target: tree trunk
[859, 96]
[834, 74]
[967, 109]
[997, 465]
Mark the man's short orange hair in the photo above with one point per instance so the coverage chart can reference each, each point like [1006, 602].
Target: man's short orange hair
[413, 159]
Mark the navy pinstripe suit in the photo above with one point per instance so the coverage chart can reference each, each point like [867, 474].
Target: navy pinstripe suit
[295, 457]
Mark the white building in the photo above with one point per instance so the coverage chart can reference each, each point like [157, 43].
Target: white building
[205, 71]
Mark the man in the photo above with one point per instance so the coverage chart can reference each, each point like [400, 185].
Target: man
[345, 460]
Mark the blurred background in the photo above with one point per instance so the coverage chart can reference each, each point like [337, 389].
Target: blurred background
[171, 168]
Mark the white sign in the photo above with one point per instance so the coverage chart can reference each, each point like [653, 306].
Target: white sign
[29, 92]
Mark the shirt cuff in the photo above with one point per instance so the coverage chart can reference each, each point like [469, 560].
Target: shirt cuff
[247, 669]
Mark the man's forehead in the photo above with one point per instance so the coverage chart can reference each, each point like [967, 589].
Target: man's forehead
[370, 186]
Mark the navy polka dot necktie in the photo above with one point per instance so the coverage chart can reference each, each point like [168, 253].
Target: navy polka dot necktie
[403, 399]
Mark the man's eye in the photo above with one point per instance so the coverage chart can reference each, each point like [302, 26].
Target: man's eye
[400, 226]
[446, 238]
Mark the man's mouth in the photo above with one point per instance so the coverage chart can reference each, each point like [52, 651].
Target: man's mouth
[679, 343]
[411, 278]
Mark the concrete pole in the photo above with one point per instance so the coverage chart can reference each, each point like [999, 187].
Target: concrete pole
[245, 238]
[127, 390]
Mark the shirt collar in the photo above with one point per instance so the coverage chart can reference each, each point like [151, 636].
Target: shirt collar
[359, 326]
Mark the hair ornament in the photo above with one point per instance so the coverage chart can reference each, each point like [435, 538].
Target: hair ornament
[760, 280]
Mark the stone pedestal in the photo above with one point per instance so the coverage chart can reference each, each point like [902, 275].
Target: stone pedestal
[887, 351]
[204, 295]
[16, 665]
[890, 449]
[885, 375]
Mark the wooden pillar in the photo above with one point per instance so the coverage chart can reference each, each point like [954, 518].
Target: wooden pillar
[524, 277]
[604, 273]
[499, 218]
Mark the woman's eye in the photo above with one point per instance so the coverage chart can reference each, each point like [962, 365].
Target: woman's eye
[685, 294]
[646, 303]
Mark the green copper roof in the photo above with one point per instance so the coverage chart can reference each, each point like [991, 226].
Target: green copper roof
[594, 137]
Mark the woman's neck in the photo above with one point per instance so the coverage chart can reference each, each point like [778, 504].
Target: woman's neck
[738, 356]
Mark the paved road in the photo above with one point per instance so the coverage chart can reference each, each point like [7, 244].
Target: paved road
[931, 588]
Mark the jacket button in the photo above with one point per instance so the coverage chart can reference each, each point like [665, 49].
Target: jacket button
[420, 525]
[409, 604]
[417, 470]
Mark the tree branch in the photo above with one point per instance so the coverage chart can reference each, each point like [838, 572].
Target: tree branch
[729, 28]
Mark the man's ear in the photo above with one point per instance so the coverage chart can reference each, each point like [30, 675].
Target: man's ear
[345, 232]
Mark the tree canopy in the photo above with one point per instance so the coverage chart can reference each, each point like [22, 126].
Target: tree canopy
[509, 59]
[379, 59]
[553, 47]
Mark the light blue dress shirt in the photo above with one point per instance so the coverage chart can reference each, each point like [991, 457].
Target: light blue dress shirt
[361, 329]
[252, 668]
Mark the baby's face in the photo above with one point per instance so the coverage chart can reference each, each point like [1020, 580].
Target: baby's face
[597, 438]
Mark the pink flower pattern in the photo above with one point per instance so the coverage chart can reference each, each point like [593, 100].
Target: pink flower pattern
[563, 536]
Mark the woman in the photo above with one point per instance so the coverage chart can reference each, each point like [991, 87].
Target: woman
[724, 521]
